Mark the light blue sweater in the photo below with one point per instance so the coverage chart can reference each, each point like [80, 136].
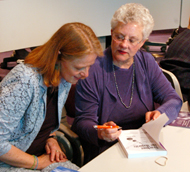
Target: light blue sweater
[23, 107]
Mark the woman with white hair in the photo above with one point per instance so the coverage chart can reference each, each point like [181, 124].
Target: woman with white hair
[123, 86]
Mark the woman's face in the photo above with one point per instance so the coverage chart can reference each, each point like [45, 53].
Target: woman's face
[127, 39]
[77, 68]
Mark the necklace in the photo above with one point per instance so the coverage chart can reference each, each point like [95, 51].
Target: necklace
[132, 86]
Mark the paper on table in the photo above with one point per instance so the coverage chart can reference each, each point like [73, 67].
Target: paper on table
[182, 120]
[154, 127]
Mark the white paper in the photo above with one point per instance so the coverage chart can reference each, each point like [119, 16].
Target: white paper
[144, 142]
[154, 127]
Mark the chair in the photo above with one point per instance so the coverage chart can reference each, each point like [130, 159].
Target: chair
[64, 144]
[16, 56]
[147, 44]
[174, 81]
[70, 144]
[163, 45]
[67, 118]
[74, 150]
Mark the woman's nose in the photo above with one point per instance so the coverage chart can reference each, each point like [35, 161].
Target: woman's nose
[125, 43]
[85, 72]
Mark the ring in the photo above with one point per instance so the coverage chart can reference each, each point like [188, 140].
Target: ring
[57, 151]
[109, 140]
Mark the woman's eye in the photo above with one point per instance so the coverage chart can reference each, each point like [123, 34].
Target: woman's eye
[132, 40]
[79, 68]
[120, 37]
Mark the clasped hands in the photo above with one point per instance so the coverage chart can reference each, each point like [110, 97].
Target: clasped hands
[112, 134]
[53, 149]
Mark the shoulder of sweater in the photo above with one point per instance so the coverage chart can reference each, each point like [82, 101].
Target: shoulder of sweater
[145, 56]
[25, 72]
[26, 69]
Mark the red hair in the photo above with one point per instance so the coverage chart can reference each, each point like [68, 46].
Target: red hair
[72, 40]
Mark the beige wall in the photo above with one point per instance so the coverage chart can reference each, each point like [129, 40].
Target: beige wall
[28, 23]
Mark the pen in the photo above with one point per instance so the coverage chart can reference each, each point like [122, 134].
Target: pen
[106, 127]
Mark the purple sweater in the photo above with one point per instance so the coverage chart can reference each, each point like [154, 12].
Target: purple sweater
[97, 100]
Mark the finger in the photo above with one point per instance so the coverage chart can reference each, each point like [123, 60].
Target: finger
[57, 155]
[156, 115]
[53, 155]
[148, 116]
[48, 151]
[62, 156]
[110, 137]
[110, 131]
[116, 135]
[110, 123]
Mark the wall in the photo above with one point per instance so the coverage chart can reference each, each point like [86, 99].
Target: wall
[185, 13]
[28, 23]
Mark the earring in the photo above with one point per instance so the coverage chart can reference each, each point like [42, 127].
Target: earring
[56, 67]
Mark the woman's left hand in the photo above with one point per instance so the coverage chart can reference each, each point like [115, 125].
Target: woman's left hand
[152, 115]
[52, 147]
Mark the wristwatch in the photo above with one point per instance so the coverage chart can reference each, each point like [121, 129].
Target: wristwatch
[53, 136]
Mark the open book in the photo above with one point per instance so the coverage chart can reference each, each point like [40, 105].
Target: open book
[144, 142]
[63, 169]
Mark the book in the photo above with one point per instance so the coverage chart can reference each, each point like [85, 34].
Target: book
[183, 120]
[144, 142]
[63, 169]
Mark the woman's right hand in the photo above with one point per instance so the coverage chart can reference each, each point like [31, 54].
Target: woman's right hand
[109, 135]
[20, 159]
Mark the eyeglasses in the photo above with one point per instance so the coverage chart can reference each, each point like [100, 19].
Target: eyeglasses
[118, 37]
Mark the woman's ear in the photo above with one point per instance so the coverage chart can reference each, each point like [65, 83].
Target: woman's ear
[111, 32]
[142, 42]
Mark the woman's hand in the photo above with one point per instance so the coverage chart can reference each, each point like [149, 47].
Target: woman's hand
[109, 135]
[44, 161]
[152, 115]
[18, 158]
[53, 149]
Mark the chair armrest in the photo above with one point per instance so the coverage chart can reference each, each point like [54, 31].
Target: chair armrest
[78, 154]
[64, 145]
[67, 131]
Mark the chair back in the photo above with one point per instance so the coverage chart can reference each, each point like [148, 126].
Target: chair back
[174, 82]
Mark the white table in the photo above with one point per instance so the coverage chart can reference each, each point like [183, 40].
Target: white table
[176, 140]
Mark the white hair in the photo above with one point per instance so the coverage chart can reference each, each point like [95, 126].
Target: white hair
[134, 13]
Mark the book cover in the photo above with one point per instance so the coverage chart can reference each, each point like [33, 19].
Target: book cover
[63, 169]
[183, 120]
[144, 142]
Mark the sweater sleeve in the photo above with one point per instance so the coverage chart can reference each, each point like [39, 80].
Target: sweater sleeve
[163, 92]
[14, 99]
